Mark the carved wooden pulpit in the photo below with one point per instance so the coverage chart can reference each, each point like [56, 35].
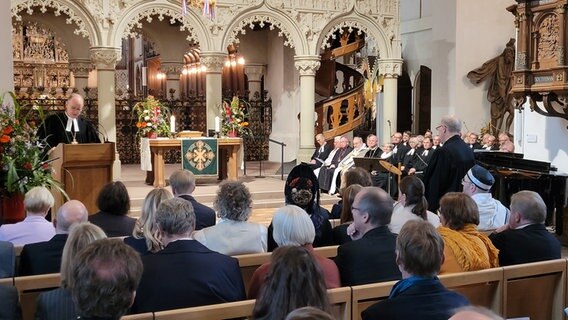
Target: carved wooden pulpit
[541, 73]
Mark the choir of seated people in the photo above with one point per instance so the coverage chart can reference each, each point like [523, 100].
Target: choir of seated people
[45, 257]
[34, 228]
[114, 204]
[293, 227]
[348, 194]
[185, 273]
[58, 303]
[373, 244]
[302, 189]
[411, 205]
[233, 234]
[359, 150]
[145, 238]
[293, 281]
[326, 172]
[466, 249]
[419, 295]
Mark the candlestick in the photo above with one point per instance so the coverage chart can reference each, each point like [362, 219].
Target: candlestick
[143, 76]
[217, 124]
[173, 124]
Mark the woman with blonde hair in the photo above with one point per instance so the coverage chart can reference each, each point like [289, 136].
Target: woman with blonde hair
[144, 238]
[465, 248]
[58, 304]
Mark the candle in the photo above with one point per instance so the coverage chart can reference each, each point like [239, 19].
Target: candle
[217, 124]
[173, 123]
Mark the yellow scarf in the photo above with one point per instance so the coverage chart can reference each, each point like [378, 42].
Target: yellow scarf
[469, 254]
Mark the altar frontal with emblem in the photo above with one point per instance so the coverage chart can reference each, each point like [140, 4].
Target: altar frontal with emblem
[200, 156]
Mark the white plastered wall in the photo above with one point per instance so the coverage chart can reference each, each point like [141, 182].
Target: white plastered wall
[6, 67]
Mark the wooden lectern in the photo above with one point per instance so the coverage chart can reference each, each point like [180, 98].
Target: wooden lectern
[82, 169]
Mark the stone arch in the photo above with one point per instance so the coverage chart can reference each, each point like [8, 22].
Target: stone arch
[85, 22]
[370, 27]
[288, 28]
[191, 22]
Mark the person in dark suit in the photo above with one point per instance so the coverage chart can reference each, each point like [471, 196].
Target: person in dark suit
[525, 238]
[185, 273]
[448, 164]
[422, 158]
[58, 303]
[420, 294]
[321, 153]
[399, 149]
[105, 266]
[114, 203]
[45, 257]
[9, 304]
[473, 142]
[183, 184]
[68, 127]
[370, 257]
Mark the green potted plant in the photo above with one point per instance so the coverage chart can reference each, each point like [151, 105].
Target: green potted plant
[21, 152]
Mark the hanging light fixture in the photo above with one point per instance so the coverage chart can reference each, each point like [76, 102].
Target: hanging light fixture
[206, 6]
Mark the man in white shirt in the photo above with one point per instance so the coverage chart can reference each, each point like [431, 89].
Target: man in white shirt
[477, 184]
[359, 150]
[327, 162]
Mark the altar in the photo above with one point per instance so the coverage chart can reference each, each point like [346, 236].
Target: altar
[227, 146]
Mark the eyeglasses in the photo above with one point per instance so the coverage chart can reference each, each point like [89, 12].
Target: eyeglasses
[440, 126]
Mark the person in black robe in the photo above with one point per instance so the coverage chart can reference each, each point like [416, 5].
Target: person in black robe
[449, 163]
[68, 127]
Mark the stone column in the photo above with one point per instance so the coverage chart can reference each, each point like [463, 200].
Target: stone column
[390, 69]
[254, 72]
[104, 59]
[561, 50]
[80, 69]
[214, 61]
[172, 69]
[7, 65]
[307, 66]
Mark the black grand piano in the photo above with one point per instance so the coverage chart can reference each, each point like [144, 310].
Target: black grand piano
[513, 173]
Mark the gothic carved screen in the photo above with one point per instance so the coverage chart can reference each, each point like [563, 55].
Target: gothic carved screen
[40, 58]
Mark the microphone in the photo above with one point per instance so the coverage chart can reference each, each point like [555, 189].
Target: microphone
[390, 127]
[99, 132]
[105, 135]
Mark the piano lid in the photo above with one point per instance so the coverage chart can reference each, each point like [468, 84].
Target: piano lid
[499, 159]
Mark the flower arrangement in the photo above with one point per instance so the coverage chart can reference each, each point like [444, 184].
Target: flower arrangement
[152, 117]
[234, 118]
[21, 165]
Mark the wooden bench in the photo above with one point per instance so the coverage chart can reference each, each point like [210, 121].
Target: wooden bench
[250, 262]
[30, 287]
[339, 298]
[536, 290]
[481, 288]
[363, 296]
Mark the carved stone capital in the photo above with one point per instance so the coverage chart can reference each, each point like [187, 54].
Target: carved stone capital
[390, 67]
[105, 58]
[214, 61]
[255, 72]
[172, 69]
[307, 65]
[80, 67]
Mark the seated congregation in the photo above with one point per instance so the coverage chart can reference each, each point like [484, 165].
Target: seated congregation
[177, 255]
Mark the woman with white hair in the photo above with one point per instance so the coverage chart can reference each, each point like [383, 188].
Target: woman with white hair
[293, 227]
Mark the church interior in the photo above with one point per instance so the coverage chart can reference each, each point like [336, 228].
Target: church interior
[301, 68]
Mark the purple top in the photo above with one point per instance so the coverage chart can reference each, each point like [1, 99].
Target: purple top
[32, 229]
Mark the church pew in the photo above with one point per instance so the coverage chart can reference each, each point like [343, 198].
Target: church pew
[140, 316]
[365, 295]
[481, 288]
[248, 263]
[339, 298]
[30, 287]
[536, 290]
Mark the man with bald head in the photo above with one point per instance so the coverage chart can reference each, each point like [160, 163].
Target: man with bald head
[68, 127]
[370, 257]
[45, 257]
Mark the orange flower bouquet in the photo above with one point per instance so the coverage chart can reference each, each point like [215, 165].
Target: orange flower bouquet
[235, 118]
[152, 117]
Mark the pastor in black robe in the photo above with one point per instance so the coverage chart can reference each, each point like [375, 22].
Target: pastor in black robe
[53, 132]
